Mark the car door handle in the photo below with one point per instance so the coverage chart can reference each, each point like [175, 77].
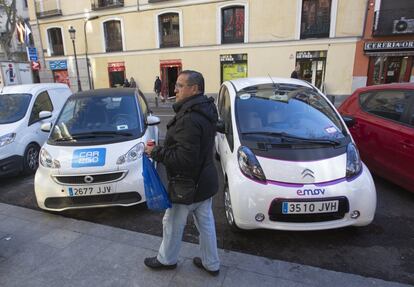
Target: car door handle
[407, 144]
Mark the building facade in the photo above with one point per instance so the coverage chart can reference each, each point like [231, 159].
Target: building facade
[385, 53]
[17, 48]
[118, 39]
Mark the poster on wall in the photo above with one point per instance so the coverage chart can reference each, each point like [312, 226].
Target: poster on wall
[233, 66]
[234, 71]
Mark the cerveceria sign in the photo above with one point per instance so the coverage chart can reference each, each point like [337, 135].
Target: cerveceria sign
[389, 45]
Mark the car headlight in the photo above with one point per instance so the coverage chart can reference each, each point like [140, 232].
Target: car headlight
[353, 161]
[132, 155]
[46, 160]
[249, 165]
[6, 139]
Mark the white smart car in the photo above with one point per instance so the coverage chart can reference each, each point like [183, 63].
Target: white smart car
[93, 157]
[288, 159]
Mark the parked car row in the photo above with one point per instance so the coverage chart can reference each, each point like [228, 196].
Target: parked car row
[289, 159]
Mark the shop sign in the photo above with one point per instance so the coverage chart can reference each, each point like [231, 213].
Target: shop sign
[116, 67]
[389, 45]
[310, 54]
[233, 58]
[58, 65]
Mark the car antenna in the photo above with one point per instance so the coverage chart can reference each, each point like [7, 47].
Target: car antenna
[276, 86]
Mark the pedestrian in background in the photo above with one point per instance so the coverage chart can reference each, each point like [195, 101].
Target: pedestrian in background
[126, 83]
[157, 88]
[295, 73]
[132, 83]
[188, 154]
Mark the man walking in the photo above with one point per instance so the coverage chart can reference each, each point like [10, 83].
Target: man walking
[157, 89]
[188, 153]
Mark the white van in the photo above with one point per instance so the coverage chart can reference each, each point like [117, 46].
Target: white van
[93, 157]
[23, 109]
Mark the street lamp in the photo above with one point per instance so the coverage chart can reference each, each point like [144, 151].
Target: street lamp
[72, 33]
[86, 50]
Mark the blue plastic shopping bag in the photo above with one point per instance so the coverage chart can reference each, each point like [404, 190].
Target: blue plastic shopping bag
[155, 193]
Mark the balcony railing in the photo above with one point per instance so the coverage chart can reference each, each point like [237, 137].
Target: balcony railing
[106, 4]
[57, 50]
[169, 41]
[48, 8]
[394, 22]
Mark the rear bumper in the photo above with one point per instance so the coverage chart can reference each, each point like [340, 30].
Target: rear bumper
[11, 165]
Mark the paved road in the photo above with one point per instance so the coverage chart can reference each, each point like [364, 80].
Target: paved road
[384, 249]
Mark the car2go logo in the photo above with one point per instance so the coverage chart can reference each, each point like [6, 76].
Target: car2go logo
[316, 191]
[88, 157]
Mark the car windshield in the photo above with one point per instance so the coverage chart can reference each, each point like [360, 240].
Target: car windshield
[290, 111]
[98, 119]
[13, 107]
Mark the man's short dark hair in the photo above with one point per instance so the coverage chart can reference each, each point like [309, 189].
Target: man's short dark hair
[194, 78]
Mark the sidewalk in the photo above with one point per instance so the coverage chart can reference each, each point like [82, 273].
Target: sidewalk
[42, 249]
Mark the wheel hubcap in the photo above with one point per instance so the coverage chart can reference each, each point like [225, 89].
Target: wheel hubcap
[227, 207]
[33, 158]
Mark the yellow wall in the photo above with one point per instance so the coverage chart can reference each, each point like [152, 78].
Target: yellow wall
[272, 20]
[274, 61]
[199, 25]
[350, 18]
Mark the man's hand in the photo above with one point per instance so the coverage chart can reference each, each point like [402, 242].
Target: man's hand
[148, 149]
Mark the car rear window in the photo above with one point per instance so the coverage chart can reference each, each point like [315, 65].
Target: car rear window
[389, 104]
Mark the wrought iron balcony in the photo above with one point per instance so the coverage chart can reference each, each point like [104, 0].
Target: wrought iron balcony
[106, 4]
[48, 8]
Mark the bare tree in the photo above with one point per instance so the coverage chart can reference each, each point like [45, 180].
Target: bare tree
[7, 10]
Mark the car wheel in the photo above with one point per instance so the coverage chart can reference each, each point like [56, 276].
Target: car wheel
[228, 209]
[31, 159]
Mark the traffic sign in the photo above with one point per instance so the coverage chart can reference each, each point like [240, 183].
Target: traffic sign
[32, 54]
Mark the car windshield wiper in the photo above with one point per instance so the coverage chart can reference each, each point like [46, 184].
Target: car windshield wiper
[292, 138]
[64, 139]
[101, 134]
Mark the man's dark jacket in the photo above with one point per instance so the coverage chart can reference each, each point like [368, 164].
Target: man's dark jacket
[188, 148]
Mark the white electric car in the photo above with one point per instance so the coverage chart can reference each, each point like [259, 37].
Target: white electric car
[93, 157]
[288, 159]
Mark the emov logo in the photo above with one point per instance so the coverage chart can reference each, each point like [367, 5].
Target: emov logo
[89, 157]
[316, 191]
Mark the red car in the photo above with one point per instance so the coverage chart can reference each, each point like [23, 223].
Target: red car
[381, 121]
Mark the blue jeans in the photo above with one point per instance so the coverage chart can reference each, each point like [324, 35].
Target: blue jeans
[174, 222]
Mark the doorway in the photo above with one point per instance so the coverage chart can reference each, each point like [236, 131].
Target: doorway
[169, 74]
[313, 71]
[116, 74]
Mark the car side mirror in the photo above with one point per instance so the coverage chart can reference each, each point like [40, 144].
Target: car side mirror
[45, 115]
[349, 121]
[46, 127]
[221, 127]
[153, 120]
